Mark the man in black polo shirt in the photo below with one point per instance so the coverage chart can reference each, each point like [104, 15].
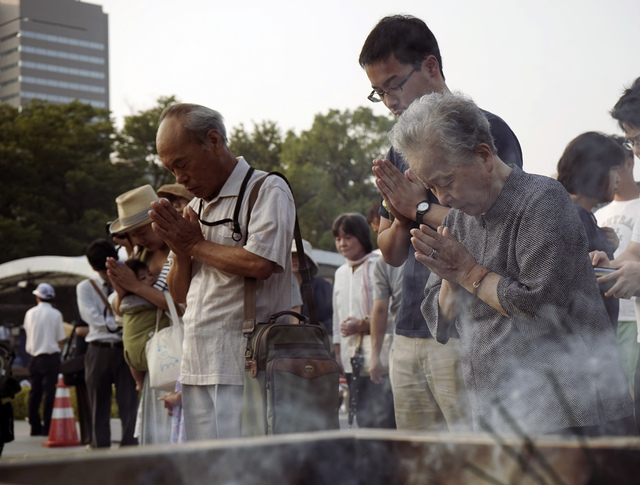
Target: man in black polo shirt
[402, 60]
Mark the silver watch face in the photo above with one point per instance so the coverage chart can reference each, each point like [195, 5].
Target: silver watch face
[423, 206]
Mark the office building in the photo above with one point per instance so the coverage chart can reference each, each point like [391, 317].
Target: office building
[55, 50]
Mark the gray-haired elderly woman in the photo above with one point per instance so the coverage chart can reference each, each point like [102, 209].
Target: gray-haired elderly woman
[510, 269]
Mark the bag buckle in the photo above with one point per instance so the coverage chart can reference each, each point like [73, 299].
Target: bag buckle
[251, 365]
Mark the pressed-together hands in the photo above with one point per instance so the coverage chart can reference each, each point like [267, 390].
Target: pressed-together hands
[181, 232]
[401, 192]
[442, 253]
[122, 278]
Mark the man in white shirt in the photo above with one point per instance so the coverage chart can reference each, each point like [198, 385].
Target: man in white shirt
[621, 215]
[211, 256]
[104, 361]
[45, 336]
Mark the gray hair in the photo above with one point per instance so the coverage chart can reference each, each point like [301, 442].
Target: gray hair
[197, 120]
[447, 121]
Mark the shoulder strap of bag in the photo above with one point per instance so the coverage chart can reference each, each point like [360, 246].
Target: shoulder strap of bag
[102, 297]
[172, 311]
[249, 323]
[237, 233]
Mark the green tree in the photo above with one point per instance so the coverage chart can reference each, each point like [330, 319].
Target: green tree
[329, 167]
[136, 144]
[262, 148]
[60, 182]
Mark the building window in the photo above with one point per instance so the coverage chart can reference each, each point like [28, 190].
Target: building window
[61, 40]
[61, 99]
[10, 81]
[61, 54]
[62, 84]
[63, 70]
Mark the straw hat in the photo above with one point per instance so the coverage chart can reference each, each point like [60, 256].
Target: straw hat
[133, 209]
[308, 252]
[175, 189]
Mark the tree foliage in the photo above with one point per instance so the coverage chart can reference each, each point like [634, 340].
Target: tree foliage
[329, 167]
[136, 144]
[60, 184]
[262, 148]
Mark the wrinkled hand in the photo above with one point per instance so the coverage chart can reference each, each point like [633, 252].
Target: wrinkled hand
[451, 260]
[180, 232]
[122, 277]
[627, 279]
[612, 237]
[349, 327]
[401, 192]
[376, 369]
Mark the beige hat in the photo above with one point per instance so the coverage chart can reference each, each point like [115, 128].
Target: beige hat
[175, 189]
[133, 209]
[308, 252]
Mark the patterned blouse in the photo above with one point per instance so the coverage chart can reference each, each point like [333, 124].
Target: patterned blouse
[544, 367]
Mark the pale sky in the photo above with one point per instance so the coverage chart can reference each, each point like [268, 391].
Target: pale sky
[552, 69]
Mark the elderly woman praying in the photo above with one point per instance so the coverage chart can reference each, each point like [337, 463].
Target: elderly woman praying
[510, 270]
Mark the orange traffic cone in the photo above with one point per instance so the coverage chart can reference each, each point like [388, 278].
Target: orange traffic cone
[63, 423]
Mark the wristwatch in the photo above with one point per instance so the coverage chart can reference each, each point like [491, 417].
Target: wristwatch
[422, 208]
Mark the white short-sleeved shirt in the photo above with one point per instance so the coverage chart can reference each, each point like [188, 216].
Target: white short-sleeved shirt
[213, 349]
[43, 328]
[621, 216]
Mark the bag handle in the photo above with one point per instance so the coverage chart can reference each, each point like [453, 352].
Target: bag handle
[172, 310]
[299, 316]
[249, 323]
[175, 320]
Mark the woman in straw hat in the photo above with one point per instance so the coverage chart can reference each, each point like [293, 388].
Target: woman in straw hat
[153, 426]
[134, 222]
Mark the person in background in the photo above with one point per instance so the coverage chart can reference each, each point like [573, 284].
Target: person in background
[402, 60]
[176, 194]
[387, 295]
[621, 215]
[104, 361]
[510, 269]
[153, 425]
[626, 278]
[588, 169]
[352, 306]
[139, 320]
[45, 337]
[321, 289]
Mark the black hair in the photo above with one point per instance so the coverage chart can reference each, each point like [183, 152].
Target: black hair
[627, 109]
[98, 252]
[584, 166]
[357, 226]
[136, 265]
[406, 37]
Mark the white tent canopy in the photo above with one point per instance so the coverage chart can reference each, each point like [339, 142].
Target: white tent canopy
[55, 270]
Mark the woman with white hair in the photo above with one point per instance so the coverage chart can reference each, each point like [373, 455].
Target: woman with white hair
[510, 270]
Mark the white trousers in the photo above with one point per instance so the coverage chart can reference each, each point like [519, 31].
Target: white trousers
[212, 412]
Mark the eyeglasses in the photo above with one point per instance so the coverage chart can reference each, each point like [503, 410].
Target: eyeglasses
[378, 96]
[630, 143]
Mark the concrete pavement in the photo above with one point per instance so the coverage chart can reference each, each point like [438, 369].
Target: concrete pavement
[26, 446]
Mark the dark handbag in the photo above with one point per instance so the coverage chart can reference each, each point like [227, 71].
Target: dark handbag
[291, 378]
[6, 423]
[72, 363]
